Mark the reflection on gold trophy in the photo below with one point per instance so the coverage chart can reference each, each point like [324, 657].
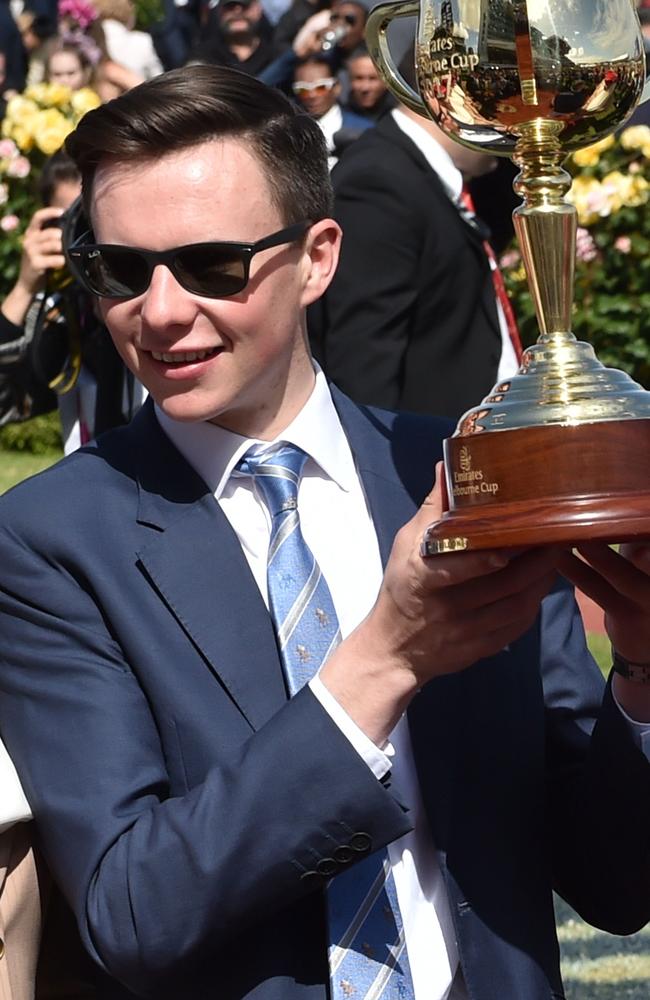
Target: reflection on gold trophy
[560, 452]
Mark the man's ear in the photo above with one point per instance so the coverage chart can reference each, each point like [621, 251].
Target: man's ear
[321, 258]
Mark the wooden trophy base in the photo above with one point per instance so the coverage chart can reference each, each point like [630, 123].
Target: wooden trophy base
[546, 484]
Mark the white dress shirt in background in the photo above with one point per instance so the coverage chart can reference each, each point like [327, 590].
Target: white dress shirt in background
[14, 807]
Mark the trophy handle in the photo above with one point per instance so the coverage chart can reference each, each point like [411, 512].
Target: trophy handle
[377, 41]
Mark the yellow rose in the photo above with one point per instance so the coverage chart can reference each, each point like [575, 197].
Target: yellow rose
[37, 92]
[590, 155]
[586, 195]
[50, 130]
[636, 137]
[19, 109]
[625, 189]
[57, 95]
[23, 137]
[84, 100]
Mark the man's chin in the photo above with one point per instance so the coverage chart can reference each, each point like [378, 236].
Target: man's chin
[187, 410]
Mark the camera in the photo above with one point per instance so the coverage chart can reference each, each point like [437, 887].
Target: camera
[57, 223]
[333, 36]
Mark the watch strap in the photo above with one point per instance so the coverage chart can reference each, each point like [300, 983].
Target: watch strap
[639, 673]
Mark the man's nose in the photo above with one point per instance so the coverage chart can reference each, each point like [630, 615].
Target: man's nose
[166, 303]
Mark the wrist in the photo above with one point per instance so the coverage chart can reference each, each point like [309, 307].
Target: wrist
[16, 305]
[636, 673]
[372, 689]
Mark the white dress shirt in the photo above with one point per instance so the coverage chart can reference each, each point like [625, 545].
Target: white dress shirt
[14, 807]
[452, 181]
[337, 526]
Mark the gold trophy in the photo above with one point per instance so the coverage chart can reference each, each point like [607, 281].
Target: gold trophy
[561, 451]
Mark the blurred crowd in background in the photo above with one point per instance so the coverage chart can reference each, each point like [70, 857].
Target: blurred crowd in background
[418, 317]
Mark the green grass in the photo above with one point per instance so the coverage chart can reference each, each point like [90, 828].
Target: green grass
[600, 966]
[601, 651]
[18, 465]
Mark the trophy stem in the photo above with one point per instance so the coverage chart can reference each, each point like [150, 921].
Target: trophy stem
[546, 226]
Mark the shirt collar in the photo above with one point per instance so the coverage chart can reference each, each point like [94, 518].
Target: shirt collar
[213, 452]
[437, 157]
[330, 123]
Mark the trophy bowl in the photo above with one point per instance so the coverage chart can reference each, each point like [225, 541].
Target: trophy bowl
[560, 452]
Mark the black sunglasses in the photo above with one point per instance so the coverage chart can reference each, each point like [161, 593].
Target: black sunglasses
[214, 270]
[350, 19]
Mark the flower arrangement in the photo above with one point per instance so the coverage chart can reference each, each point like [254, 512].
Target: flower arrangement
[610, 190]
[78, 13]
[36, 125]
[16, 206]
[40, 119]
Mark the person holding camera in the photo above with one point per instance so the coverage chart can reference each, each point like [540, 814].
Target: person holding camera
[332, 34]
[54, 350]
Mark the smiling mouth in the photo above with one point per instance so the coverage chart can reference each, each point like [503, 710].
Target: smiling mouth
[183, 357]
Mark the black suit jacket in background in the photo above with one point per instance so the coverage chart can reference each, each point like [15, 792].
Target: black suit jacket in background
[410, 320]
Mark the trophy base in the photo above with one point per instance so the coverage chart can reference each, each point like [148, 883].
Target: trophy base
[545, 485]
[542, 522]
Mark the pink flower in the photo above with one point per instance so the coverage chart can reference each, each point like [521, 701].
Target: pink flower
[81, 12]
[623, 244]
[19, 167]
[9, 222]
[510, 259]
[8, 149]
[586, 249]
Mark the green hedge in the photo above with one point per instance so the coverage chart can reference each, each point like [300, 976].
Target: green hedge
[38, 436]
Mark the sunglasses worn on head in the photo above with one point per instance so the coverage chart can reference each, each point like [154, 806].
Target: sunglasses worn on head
[315, 87]
[213, 270]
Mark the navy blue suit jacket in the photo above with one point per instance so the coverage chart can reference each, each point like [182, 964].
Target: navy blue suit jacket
[190, 811]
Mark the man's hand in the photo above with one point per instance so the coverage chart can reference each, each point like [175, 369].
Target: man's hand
[42, 251]
[619, 582]
[308, 41]
[433, 616]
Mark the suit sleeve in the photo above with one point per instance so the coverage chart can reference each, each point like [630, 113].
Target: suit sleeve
[598, 783]
[158, 883]
[366, 314]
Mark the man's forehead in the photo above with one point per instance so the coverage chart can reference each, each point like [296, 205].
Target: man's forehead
[206, 164]
[221, 172]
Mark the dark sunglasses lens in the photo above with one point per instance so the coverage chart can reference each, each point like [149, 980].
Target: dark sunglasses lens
[116, 273]
[210, 271]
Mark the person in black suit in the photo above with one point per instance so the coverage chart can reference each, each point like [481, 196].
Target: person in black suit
[411, 319]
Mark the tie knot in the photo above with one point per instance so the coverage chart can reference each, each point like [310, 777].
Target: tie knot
[278, 475]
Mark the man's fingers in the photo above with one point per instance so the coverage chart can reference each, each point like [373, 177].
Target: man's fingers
[622, 575]
[41, 216]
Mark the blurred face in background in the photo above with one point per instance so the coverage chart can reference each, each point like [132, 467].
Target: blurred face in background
[67, 68]
[366, 86]
[316, 88]
[353, 18]
[239, 17]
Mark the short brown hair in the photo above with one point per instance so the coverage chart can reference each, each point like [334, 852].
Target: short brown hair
[191, 105]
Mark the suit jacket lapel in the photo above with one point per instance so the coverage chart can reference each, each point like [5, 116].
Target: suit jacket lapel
[393, 496]
[391, 129]
[195, 562]
[388, 499]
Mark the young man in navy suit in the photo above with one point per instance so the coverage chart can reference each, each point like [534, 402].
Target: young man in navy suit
[208, 829]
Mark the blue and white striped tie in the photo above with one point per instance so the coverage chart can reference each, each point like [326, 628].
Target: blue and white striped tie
[368, 959]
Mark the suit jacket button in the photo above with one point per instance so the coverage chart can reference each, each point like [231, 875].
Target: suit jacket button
[312, 880]
[360, 842]
[327, 867]
[343, 855]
